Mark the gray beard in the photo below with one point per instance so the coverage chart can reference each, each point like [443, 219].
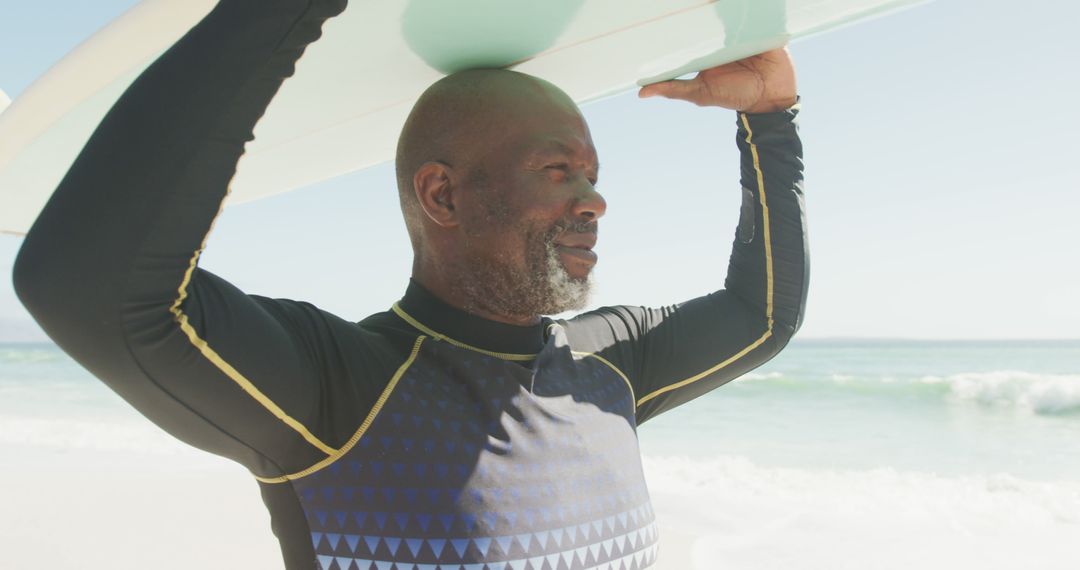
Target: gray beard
[542, 288]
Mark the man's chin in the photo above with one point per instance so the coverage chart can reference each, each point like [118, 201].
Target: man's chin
[569, 286]
[577, 263]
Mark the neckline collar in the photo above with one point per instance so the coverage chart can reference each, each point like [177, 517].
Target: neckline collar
[434, 317]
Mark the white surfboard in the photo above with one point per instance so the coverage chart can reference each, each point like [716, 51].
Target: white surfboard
[353, 88]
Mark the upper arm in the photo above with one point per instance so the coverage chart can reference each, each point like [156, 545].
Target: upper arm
[674, 354]
[109, 267]
[258, 380]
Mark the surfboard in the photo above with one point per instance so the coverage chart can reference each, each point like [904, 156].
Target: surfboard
[344, 108]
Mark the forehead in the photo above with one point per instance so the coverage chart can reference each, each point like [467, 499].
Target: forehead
[528, 117]
[564, 135]
[566, 145]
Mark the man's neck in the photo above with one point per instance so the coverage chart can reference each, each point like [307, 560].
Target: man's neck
[442, 318]
[455, 297]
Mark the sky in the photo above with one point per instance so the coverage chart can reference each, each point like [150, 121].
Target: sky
[942, 192]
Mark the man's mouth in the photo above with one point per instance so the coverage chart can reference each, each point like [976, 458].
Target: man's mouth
[579, 253]
[579, 247]
[575, 244]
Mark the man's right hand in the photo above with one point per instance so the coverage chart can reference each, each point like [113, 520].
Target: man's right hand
[762, 83]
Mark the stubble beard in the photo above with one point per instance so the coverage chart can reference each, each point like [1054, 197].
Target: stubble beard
[541, 287]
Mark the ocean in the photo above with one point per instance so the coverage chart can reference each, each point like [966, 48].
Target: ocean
[836, 454]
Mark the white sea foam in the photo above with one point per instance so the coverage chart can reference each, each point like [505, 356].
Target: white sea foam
[1039, 393]
[750, 376]
[742, 515]
[30, 355]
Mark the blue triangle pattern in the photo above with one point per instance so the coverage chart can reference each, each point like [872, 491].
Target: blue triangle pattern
[460, 545]
[524, 540]
[469, 521]
[598, 527]
[556, 537]
[529, 502]
[542, 538]
[334, 539]
[436, 545]
[504, 543]
[594, 552]
[483, 544]
[580, 553]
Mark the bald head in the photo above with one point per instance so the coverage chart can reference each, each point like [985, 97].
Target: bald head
[496, 173]
[460, 118]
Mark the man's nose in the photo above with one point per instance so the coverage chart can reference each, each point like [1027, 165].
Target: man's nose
[589, 204]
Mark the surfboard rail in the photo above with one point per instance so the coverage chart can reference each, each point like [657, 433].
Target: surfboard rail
[326, 121]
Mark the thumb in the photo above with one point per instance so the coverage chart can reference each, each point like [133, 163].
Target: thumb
[684, 89]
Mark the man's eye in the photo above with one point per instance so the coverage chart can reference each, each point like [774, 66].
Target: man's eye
[559, 166]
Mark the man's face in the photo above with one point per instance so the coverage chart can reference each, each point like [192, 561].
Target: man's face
[531, 220]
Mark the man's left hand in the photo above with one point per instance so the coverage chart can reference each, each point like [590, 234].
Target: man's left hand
[762, 83]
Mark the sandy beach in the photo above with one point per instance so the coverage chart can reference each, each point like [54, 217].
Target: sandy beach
[797, 467]
[98, 510]
[178, 511]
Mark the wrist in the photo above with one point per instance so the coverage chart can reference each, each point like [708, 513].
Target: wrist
[771, 106]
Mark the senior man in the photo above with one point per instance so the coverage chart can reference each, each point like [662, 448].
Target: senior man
[461, 428]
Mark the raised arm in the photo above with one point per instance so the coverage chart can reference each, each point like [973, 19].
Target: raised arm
[109, 267]
[674, 354]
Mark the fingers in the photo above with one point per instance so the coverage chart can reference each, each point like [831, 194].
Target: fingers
[684, 89]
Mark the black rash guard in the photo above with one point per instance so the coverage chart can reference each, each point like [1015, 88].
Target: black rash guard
[422, 436]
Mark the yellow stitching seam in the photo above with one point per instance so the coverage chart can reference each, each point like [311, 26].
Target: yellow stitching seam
[768, 277]
[767, 230]
[610, 365]
[216, 359]
[363, 427]
[701, 375]
[439, 336]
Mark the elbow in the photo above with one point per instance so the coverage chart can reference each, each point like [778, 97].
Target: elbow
[30, 276]
[54, 286]
[782, 335]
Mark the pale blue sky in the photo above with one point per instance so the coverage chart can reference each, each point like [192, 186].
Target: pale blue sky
[941, 146]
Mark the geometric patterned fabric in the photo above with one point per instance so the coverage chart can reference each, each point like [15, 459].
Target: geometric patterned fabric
[478, 463]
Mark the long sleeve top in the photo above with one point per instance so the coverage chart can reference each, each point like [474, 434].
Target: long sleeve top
[422, 434]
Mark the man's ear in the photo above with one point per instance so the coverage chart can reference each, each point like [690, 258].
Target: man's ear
[435, 190]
